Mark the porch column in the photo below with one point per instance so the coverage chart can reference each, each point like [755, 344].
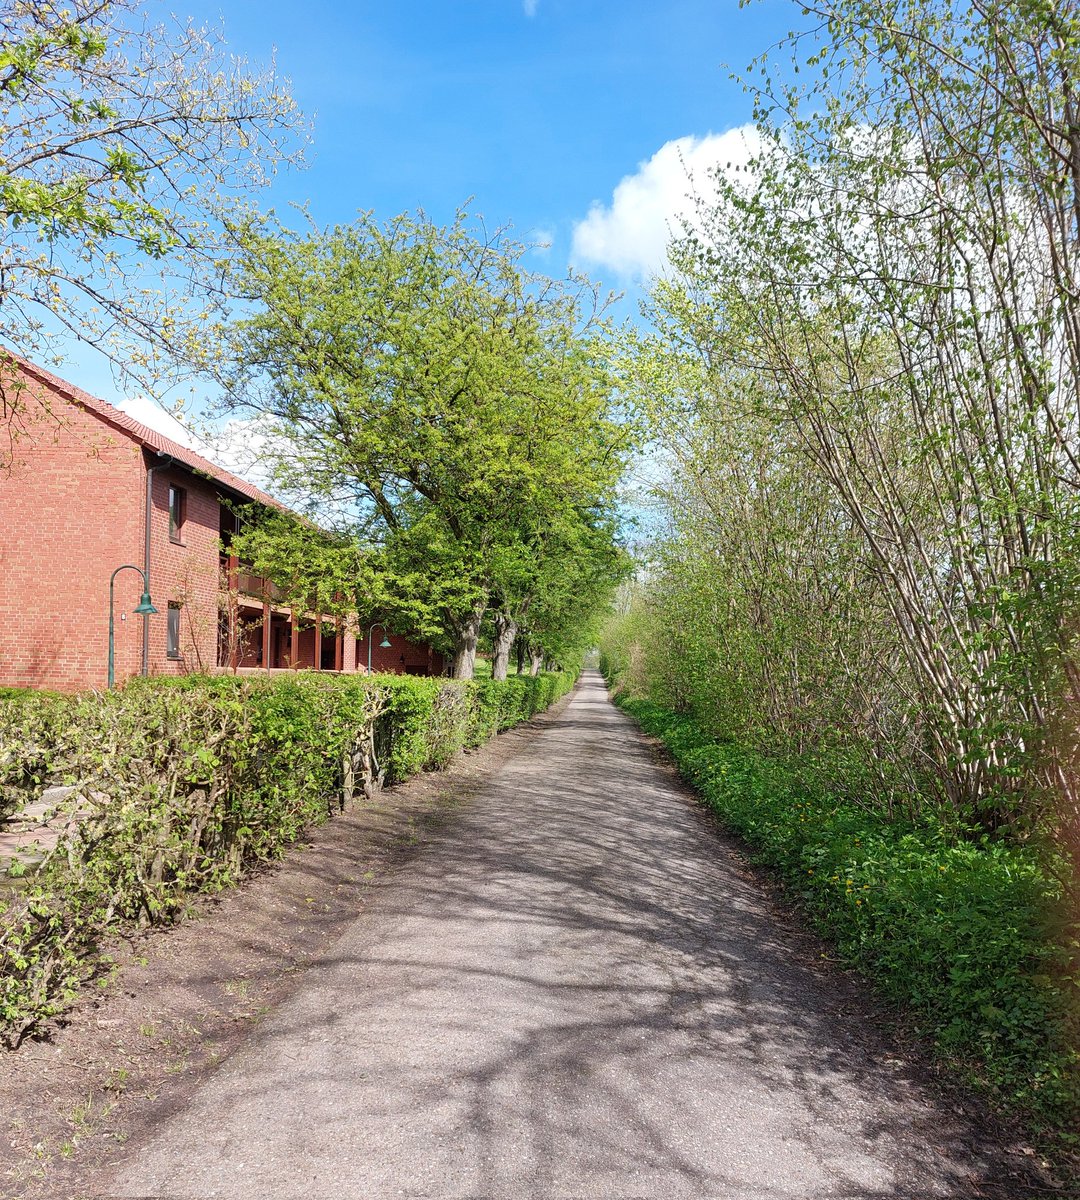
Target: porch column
[233, 619]
[318, 641]
[294, 640]
[339, 646]
[349, 658]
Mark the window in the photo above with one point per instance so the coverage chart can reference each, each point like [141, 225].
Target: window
[172, 637]
[177, 513]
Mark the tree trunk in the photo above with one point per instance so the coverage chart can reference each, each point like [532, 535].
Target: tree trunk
[519, 647]
[505, 633]
[466, 635]
[536, 661]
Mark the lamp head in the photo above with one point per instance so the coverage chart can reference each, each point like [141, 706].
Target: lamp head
[145, 607]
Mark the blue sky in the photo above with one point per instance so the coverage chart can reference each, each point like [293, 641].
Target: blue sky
[562, 117]
[537, 116]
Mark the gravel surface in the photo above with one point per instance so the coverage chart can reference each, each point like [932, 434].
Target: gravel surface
[575, 990]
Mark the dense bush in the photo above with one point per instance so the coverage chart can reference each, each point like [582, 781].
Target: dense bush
[31, 723]
[961, 931]
[181, 786]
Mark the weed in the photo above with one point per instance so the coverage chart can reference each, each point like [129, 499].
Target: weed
[117, 1079]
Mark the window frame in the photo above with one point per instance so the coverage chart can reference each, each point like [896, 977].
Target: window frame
[177, 513]
[172, 632]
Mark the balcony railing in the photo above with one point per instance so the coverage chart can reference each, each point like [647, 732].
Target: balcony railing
[249, 584]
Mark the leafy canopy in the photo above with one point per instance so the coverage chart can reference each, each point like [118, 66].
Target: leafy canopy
[431, 400]
[120, 142]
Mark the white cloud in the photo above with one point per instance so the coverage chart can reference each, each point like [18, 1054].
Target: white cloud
[530, 7]
[243, 445]
[631, 235]
[239, 446]
[149, 412]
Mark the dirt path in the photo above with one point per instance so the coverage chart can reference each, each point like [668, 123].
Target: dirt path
[573, 991]
[180, 1001]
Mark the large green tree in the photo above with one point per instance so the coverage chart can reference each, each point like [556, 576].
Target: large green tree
[429, 398]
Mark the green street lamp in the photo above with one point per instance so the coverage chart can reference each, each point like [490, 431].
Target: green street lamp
[383, 645]
[144, 608]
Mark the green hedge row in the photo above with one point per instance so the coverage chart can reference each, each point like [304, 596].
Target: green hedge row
[428, 720]
[181, 786]
[970, 936]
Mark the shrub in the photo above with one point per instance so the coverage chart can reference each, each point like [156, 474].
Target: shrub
[180, 786]
[31, 724]
[970, 934]
[404, 743]
[487, 704]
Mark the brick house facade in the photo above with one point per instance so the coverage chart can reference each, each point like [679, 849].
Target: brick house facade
[83, 479]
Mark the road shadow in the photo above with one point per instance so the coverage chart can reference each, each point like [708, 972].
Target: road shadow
[576, 985]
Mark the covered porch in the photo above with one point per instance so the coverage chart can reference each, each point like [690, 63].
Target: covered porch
[260, 633]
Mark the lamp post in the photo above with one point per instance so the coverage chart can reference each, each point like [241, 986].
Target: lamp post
[383, 645]
[144, 608]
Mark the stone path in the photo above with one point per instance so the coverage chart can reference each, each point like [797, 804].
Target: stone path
[574, 992]
[28, 835]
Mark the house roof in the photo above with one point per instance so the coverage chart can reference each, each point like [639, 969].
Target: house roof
[146, 437]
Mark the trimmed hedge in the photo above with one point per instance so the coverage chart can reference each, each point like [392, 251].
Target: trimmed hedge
[182, 786]
[969, 934]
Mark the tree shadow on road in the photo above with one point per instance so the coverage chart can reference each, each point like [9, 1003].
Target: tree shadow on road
[578, 987]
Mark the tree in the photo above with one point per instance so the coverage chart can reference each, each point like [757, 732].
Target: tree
[888, 314]
[571, 598]
[429, 398]
[120, 142]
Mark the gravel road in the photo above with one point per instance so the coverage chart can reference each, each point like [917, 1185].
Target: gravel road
[574, 991]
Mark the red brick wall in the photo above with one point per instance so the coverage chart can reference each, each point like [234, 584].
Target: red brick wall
[187, 572]
[402, 656]
[71, 510]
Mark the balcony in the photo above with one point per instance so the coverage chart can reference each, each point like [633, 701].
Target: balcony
[236, 577]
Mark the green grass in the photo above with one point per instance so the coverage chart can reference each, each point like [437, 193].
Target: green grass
[968, 934]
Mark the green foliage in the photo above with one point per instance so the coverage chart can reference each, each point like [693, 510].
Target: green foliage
[870, 415]
[181, 786]
[431, 719]
[31, 722]
[120, 141]
[452, 415]
[971, 934]
[498, 705]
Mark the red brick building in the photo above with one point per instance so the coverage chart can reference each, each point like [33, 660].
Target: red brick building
[87, 490]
